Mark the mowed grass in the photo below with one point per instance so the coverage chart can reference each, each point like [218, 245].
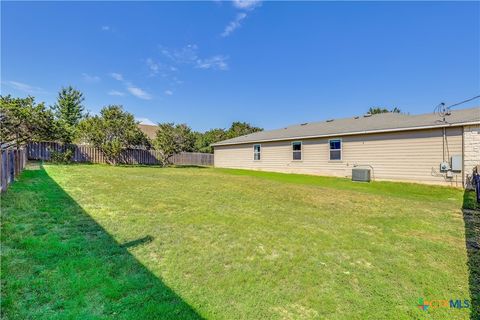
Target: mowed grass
[94, 242]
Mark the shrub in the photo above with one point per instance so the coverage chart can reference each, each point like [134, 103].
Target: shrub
[61, 157]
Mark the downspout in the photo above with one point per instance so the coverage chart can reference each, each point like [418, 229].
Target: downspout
[443, 143]
[463, 158]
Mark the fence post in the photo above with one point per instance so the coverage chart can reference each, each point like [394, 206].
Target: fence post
[2, 173]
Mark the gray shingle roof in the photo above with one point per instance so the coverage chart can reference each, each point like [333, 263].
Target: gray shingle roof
[383, 122]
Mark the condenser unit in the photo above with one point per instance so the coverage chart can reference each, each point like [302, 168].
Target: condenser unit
[361, 174]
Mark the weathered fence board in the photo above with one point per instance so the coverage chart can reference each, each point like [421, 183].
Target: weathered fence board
[84, 153]
[12, 163]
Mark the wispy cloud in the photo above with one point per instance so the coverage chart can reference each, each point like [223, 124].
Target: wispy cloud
[139, 93]
[218, 62]
[132, 89]
[189, 55]
[116, 76]
[246, 4]
[116, 93]
[24, 87]
[153, 66]
[90, 78]
[184, 55]
[168, 92]
[234, 24]
[164, 69]
[106, 28]
[146, 121]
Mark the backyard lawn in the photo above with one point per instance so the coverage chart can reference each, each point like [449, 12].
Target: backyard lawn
[94, 241]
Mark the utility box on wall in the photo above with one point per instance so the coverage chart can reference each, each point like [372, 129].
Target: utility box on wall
[457, 162]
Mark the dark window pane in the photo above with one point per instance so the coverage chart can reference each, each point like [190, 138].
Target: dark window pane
[256, 148]
[335, 155]
[297, 146]
[335, 144]
[297, 155]
[256, 156]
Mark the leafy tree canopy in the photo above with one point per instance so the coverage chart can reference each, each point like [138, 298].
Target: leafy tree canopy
[113, 130]
[23, 120]
[238, 129]
[173, 138]
[204, 140]
[69, 111]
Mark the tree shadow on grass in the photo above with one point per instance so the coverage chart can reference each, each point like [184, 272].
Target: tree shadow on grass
[471, 218]
[57, 262]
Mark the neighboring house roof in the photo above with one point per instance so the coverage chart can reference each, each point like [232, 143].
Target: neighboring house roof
[149, 130]
[383, 122]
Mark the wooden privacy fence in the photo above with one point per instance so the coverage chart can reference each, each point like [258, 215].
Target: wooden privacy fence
[12, 162]
[85, 153]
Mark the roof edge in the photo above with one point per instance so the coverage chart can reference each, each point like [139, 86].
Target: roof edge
[458, 124]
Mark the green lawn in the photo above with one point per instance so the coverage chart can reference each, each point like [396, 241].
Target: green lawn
[93, 241]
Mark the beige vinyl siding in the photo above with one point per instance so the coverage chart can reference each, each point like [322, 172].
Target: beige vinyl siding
[403, 156]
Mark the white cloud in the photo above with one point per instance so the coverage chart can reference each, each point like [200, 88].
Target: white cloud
[132, 89]
[233, 25]
[168, 92]
[90, 78]
[106, 28]
[185, 55]
[116, 93]
[189, 55]
[246, 4]
[139, 93]
[218, 62]
[116, 76]
[24, 87]
[153, 66]
[146, 121]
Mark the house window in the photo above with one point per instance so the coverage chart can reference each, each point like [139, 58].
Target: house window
[297, 150]
[256, 152]
[335, 149]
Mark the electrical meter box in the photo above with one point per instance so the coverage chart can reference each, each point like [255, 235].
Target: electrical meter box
[444, 166]
[457, 162]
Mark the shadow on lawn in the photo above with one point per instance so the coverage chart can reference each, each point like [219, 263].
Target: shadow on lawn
[471, 218]
[59, 263]
[135, 243]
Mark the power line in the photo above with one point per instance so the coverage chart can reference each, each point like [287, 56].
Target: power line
[443, 110]
[464, 101]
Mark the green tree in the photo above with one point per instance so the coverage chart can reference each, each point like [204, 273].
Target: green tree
[173, 138]
[378, 110]
[112, 131]
[204, 140]
[238, 129]
[68, 111]
[23, 120]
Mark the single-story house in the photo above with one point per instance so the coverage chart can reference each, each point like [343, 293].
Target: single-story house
[425, 148]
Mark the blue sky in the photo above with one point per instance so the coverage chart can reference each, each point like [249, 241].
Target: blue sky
[269, 63]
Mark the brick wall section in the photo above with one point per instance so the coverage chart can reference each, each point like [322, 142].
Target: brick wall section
[471, 145]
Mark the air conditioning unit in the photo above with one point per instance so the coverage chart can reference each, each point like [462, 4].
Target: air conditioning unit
[360, 174]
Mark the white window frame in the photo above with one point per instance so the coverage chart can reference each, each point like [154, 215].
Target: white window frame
[301, 151]
[259, 153]
[341, 149]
